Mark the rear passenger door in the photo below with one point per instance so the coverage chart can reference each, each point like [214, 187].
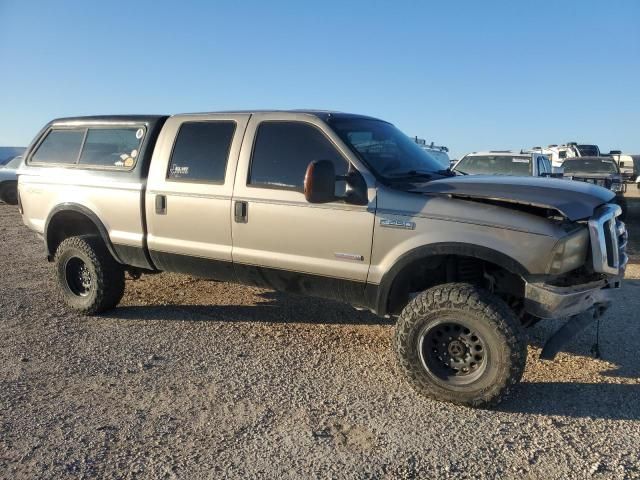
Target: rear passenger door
[188, 199]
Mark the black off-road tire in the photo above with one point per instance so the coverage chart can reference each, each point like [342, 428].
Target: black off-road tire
[9, 193]
[481, 316]
[105, 285]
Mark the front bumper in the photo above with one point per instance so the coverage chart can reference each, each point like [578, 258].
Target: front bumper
[547, 301]
[581, 304]
[608, 237]
[585, 302]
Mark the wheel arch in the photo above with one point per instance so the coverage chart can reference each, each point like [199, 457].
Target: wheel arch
[379, 295]
[71, 219]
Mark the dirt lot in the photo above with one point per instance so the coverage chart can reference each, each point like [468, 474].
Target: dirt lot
[196, 379]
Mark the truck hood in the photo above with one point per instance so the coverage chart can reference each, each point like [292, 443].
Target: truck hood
[575, 200]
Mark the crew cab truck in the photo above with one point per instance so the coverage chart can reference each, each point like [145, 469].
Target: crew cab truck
[332, 205]
[602, 171]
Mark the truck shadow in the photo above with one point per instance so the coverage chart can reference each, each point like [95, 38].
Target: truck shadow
[277, 308]
[605, 401]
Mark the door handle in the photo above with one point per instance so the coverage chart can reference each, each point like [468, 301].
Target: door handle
[161, 204]
[240, 211]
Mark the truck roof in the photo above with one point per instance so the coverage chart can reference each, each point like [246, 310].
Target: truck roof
[322, 114]
[106, 119]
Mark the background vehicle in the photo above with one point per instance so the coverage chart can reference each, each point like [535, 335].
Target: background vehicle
[333, 205]
[602, 171]
[440, 153]
[504, 162]
[586, 150]
[9, 181]
[8, 153]
[558, 153]
[629, 165]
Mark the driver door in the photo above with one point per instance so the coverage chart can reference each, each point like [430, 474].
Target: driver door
[279, 239]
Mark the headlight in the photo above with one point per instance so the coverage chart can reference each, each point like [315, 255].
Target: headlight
[569, 253]
[616, 187]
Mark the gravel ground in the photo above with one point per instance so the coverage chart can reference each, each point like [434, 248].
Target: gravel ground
[198, 379]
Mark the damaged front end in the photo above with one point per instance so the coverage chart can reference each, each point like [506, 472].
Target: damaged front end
[583, 302]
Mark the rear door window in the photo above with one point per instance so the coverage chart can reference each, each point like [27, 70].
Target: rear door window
[112, 147]
[201, 151]
[60, 147]
[283, 150]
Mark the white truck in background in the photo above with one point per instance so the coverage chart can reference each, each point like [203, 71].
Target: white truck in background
[558, 153]
[629, 165]
[439, 153]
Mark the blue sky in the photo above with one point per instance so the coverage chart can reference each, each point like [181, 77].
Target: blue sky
[468, 74]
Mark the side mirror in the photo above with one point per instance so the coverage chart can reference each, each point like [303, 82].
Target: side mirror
[320, 182]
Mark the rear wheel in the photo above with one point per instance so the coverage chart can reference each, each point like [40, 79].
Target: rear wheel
[460, 344]
[90, 281]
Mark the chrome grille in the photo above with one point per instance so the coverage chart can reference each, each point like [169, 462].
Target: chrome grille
[608, 240]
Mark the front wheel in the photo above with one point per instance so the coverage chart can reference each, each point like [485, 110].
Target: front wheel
[90, 281]
[460, 344]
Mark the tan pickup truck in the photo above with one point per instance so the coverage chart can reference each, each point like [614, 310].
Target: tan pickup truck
[333, 205]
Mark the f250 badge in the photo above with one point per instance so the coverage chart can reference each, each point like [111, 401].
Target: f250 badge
[391, 223]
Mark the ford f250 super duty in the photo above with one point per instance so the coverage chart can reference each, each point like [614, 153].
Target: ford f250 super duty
[332, 205]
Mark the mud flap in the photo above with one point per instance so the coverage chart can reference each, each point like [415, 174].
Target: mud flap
[570, 329]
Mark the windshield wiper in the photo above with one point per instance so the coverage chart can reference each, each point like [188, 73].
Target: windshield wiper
[447, 172]
[412, 174]
[460, 172]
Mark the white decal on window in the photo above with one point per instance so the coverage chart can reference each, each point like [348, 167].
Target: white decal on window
[176, 170]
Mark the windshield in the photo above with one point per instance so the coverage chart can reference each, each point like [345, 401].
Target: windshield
[385, 149]
[588, 150]
[495, 165]
[441, 157]
[595, 165]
